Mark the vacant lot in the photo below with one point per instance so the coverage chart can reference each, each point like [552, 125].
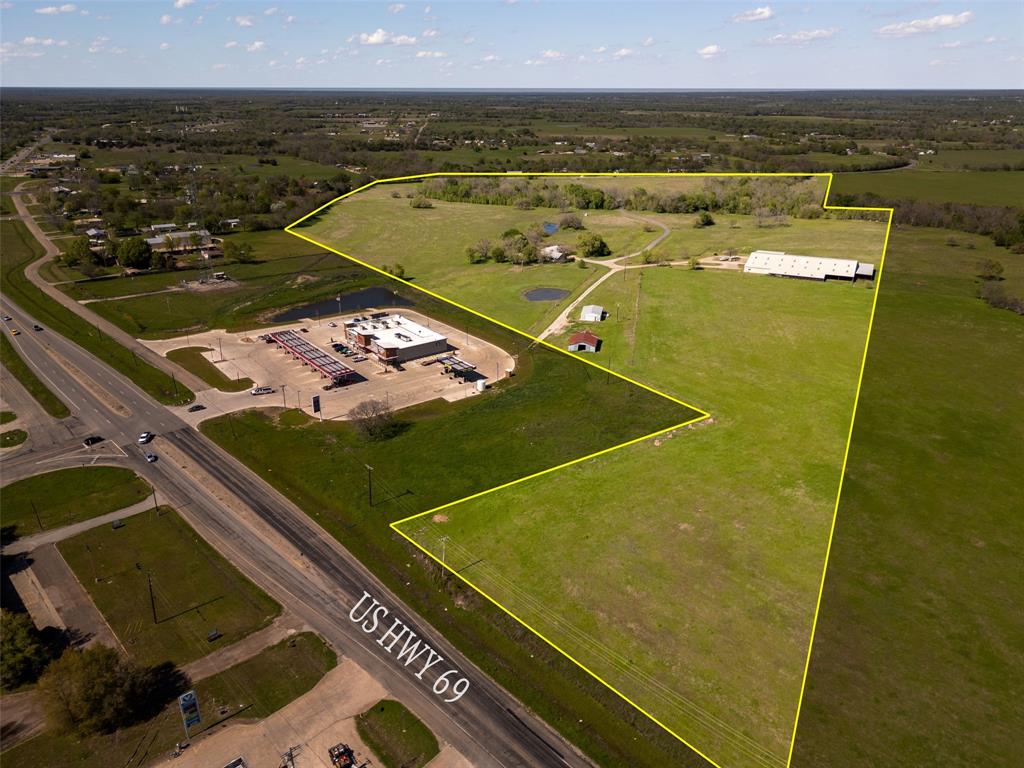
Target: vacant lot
[194, 590]
[396, 736]
[977, 187]
[191, 359]
[684, 571]
[68, 496]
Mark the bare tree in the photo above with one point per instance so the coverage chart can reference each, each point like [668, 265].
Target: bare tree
[374, 419]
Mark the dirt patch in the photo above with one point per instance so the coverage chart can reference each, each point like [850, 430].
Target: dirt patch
[439, 518]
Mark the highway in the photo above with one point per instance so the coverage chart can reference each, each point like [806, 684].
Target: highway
[277, 546]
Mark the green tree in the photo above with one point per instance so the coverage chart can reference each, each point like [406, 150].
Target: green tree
[91, 691]
[694, 262]
[134, 253]
[236, 251]
[592, 246]
[23, 651]
[570, 221]
[78, 252]
[704, 219]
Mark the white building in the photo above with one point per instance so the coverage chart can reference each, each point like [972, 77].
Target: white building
[394, 338]
[783, 264]
[554, 253]
[592, 313]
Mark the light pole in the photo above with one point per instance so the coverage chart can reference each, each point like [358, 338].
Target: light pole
[369, 482]
[444, 547]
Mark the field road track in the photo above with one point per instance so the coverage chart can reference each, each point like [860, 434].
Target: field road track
[320, 585]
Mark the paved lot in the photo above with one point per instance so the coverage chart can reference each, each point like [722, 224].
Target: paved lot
[243, 355]
[313, 723]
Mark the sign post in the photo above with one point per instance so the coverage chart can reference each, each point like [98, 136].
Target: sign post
[188, 703]
[316, 406]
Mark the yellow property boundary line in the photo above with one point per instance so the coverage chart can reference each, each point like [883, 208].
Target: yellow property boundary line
[701, 413]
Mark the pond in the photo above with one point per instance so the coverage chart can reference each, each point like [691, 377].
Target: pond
[545, 294]
[348, 302]
[549, 228]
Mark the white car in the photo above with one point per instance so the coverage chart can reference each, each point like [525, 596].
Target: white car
[150, 457]
[332, 324]
[145, 437]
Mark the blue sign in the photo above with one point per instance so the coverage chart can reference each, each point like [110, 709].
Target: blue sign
[188, 703]
[316, 403]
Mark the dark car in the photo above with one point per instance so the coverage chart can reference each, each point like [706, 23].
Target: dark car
[92, 440]
[195, 408]
[37, 327]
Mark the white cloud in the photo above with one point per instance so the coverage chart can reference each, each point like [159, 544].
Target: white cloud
[919, 26]
[468, 40]
[51, 10]
[244, 21]
[711, 51]
[382, 62]
[44, 41]
[431, 55]
[430, 33]
[166, 19]
[13, 51]
[271, 11]
[803, 36]
[552, 55]
[601, 49]
[490, 57]
[98, 44]
[256, 46]
[231, 44]
[396, 7]
[954, 44]
[383, 37]
[648, 42]
[218, 67]
[179, 4]
[622, 53]
[6, 5]
[755, 14]
[165, 46]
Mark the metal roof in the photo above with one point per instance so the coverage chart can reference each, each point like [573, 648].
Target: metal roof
[792, 265]
[456, 364]
[312, 355]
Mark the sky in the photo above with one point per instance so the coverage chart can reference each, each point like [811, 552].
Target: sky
[561, 44]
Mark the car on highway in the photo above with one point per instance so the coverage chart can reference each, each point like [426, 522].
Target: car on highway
[145, 437]
[150, 457]
[7, 318]
[15, 332]
[196, 408]
[92, 440]
[37, 327]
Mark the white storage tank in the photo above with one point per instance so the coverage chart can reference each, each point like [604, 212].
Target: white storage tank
[481, 385]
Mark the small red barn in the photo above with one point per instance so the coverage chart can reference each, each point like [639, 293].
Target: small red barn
[584, 341]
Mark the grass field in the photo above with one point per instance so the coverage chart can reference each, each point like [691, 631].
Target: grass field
[194, 589]
[977, 187]
[920, 630]
[13, 437]
[7, 185]
[6, 417]
[701, 613]
[191, 359]
[961, 159]
[69, 496]
[11, 360]
[253, 689]
[17, 250]
[396, 736]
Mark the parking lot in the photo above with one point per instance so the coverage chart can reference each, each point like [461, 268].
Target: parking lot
[293, 384]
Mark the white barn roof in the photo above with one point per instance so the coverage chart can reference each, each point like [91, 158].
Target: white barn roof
[592, 311]
[792, 265]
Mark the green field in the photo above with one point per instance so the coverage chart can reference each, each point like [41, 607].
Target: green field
[17, 250]
[920, 628]
[6, 417]
[396, 736]
[11, 360]
[194, 589]
[978, 187]
[253, 689]
[710, 598]
[7, 185]
[69, 496]
[960, 159]
[191, 359]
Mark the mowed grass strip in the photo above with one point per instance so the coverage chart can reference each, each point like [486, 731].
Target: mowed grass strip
[17, 250]
[6, 417]
[195, 590]
[191, 359]
[256, 688]
[396, 735]
[13, 437]
[17, 367]
[998, 188]
[67, 496]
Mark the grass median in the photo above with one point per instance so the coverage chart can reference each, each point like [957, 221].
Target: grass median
[17, 250]
[192, 360]
[17, 367]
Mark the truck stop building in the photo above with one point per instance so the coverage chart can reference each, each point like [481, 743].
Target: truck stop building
[394, 339]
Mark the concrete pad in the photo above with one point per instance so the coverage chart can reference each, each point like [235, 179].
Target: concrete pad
[243, 355]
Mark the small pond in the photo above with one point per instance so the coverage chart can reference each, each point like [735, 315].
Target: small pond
[348, 302]
[549, 228]
[545, 294]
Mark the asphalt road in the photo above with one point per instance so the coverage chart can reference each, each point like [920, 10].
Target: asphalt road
[280, 549]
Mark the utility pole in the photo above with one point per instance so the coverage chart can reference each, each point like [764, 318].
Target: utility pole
[174, 381]
[444, 546]
[36, 513]
[152, 599]
[283, 401]
[155, 505]
[369, 482]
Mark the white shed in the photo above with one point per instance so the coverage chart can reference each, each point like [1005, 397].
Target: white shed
[592, 313]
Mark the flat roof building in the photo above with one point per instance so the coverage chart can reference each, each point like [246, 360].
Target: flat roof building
[592, 313]
[394, 339]
[783, 264]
